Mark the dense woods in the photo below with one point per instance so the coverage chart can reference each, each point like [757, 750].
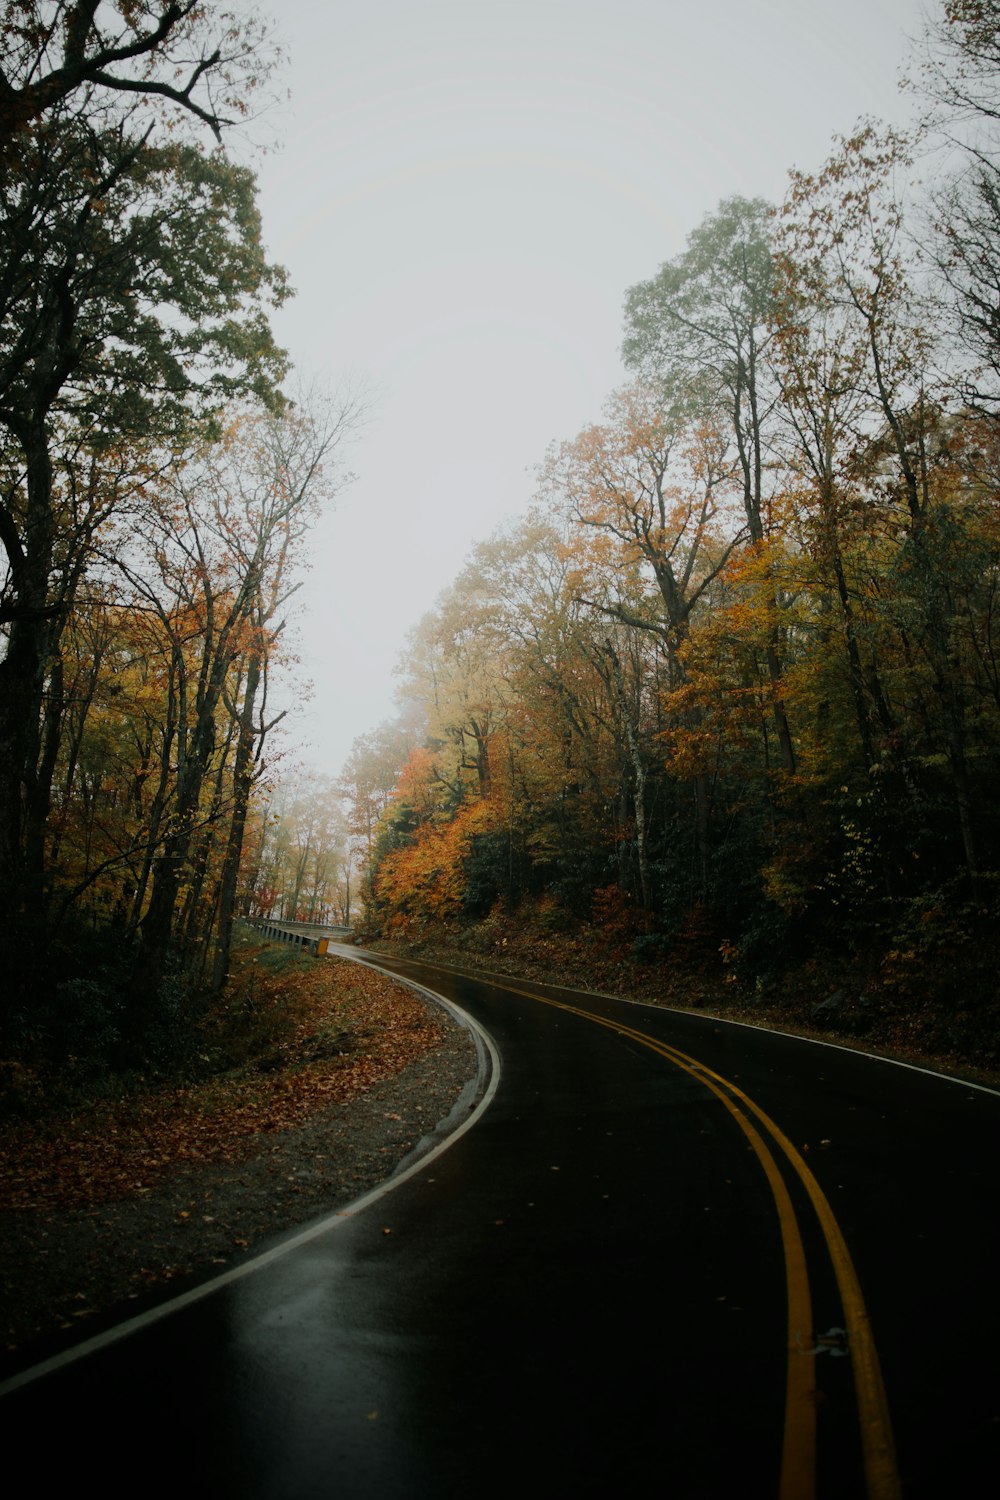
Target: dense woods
[725, 700]
[157, 487]
[727, 696]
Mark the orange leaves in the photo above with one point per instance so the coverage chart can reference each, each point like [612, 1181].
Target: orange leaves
[121, 1148]
[424, 882]
[418, 784]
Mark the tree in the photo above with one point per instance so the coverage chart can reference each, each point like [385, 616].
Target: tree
[823, 353]
[299, 459]
[369, 777]
[843, 233]
[703, 327]
[958, 72]
[133, 304]
[198, 59]
[652, 489]
[217, 569]
[453, 667]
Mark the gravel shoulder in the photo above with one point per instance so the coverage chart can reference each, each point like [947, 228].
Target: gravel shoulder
[65, 1272]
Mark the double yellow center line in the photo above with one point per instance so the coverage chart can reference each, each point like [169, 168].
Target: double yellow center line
[798, 1461]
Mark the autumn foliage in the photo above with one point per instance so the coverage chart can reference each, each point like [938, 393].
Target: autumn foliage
[157, 487]
[728, 693]
[294, 1039]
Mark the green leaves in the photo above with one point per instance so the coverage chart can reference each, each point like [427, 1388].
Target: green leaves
[697, 316]
[137, 302]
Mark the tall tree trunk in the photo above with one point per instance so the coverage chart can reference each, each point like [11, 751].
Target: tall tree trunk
[156, 927]
[23, 665]
[242, 782]
[638, 775]
[197, 929]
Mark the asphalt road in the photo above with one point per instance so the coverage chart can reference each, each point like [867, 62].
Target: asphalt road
[669, 1256]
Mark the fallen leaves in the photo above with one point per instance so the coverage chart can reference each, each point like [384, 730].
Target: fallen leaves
[353, 1027]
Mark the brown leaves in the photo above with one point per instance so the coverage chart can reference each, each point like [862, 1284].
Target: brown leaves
[121, 1148]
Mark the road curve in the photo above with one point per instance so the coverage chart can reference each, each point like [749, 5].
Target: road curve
[674, 1255]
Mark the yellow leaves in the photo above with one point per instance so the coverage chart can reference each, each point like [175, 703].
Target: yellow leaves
[424, 881]
[782, 885]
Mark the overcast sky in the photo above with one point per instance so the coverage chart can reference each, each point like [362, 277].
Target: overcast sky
[462, 194]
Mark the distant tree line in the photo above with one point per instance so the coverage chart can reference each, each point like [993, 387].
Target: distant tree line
[298, 861]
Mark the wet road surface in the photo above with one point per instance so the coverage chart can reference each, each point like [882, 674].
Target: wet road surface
[671, 1255]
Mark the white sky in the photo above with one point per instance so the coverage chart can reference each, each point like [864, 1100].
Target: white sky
[464, 191]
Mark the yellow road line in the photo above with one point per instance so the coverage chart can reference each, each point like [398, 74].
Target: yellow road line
[878, 1448]
[881, 1473]
[798, 1448]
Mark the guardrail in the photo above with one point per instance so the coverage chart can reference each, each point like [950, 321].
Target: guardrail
[312, 936]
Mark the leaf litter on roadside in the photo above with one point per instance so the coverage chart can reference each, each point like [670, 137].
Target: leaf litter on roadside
[348, 1027]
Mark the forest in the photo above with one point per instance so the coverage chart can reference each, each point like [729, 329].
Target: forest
[719, 716]
[159, 483]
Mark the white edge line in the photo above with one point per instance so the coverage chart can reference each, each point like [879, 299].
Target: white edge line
[818, 1041]
[320, 1226]
[702, 1015]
